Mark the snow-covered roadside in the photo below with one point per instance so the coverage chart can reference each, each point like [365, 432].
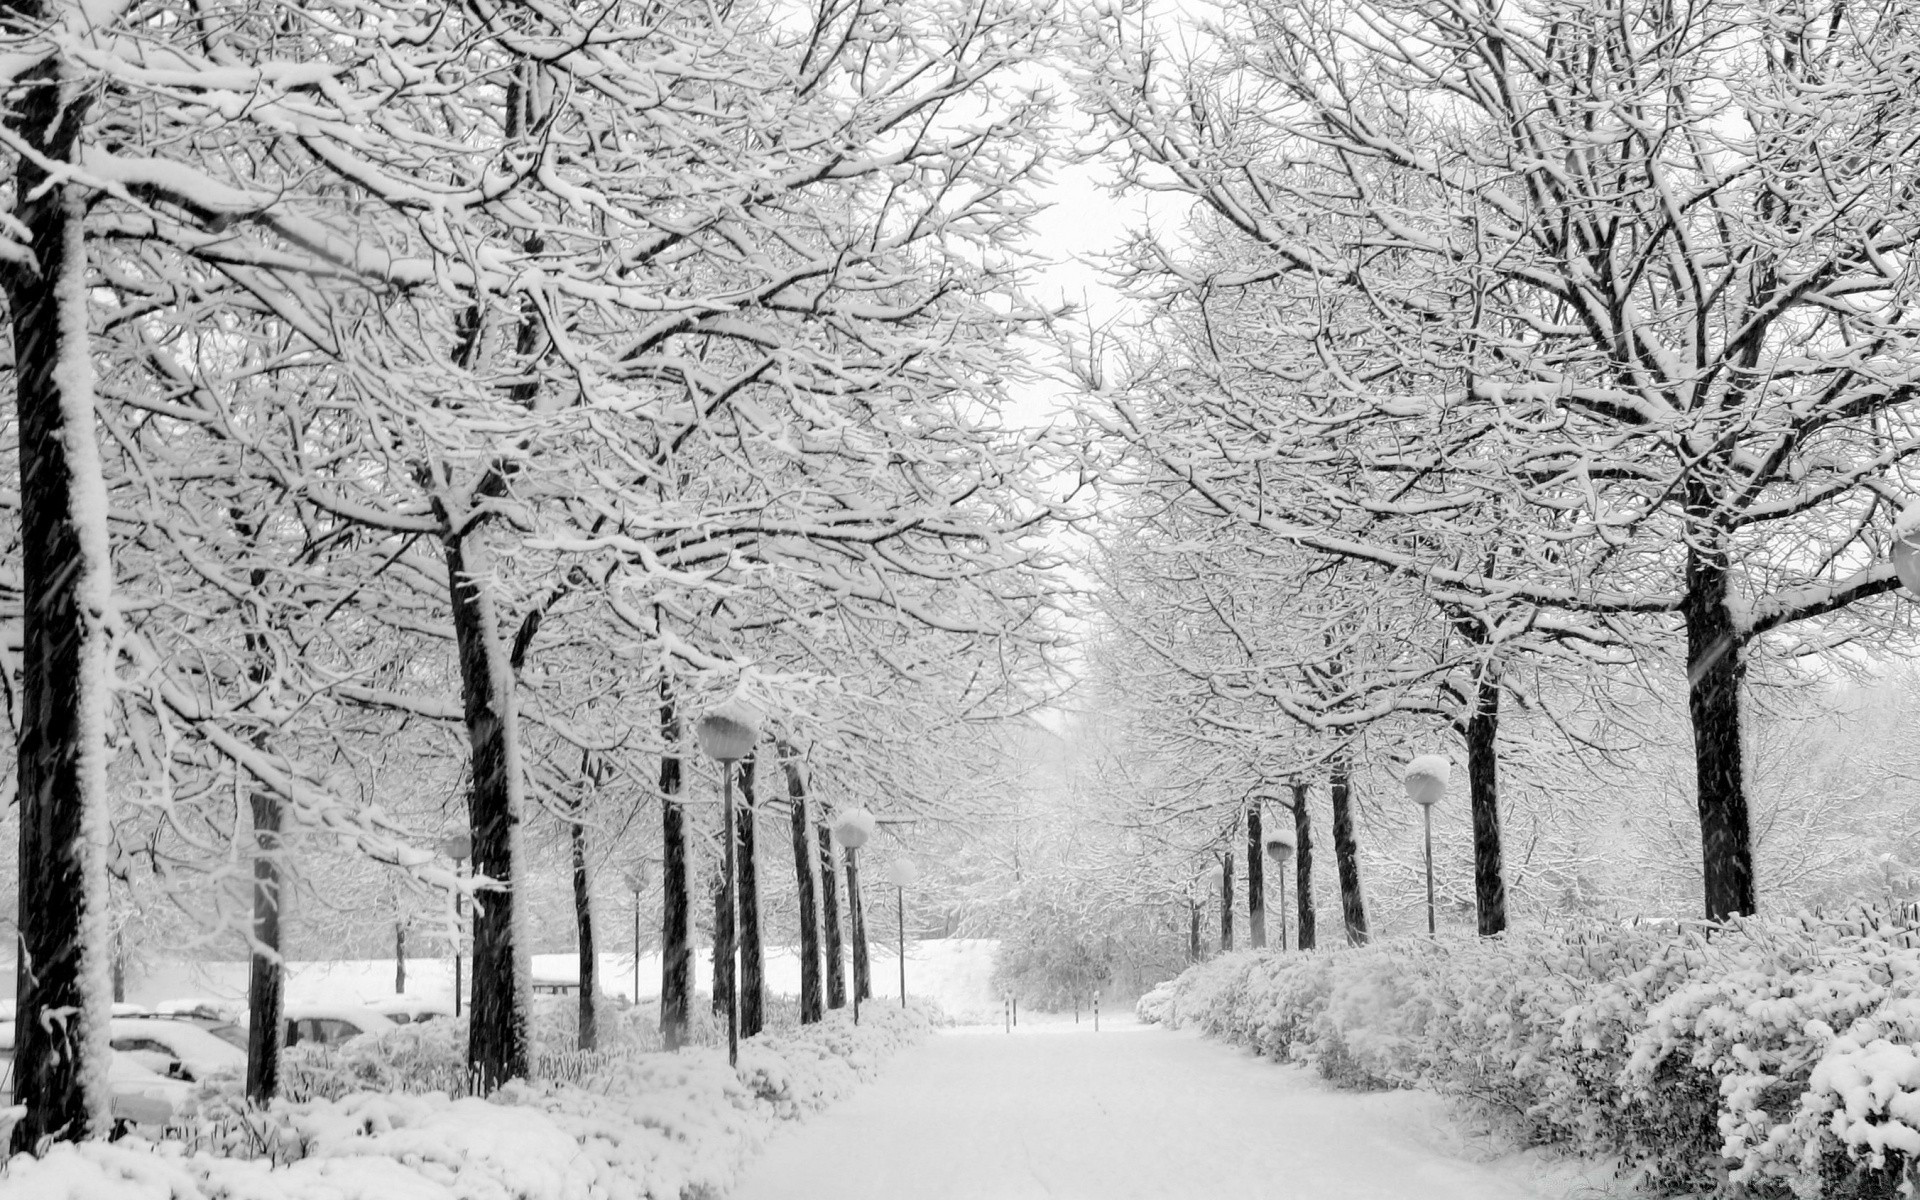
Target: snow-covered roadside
[658, 1127]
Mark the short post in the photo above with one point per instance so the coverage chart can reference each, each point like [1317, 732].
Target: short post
[728, 735]
[1016, 1011]
[459, 848]
[1006, 1010]
[1096, 1010]
[851, 828]
[1426, 782]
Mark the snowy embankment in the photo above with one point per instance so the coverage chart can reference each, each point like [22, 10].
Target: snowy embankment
[1774, 1059]
[955, 973]
[653, 1126]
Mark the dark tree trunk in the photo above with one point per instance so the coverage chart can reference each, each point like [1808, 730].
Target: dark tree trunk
[753, 981]
[119, 970]
[59, 1065]
[399, 958]
[676, 936]
[497, 1038]
[1226, 898]
[830, 920]
[857, 930]
[1346, 856]
[1483, 782]
[810, 1008]
[266, 975]
[1193, 930]
[1715, 671]
[721, 951]
[589, 1035]
[1256, 882]
[1303, 865]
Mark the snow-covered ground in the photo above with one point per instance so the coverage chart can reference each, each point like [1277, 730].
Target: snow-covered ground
[1058, 1111]
[954, 972]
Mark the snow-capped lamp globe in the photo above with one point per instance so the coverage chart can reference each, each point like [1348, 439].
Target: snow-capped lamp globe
[727, 735]
[903, 873]
[1426, 781]
[1906, 547]
[852, 827]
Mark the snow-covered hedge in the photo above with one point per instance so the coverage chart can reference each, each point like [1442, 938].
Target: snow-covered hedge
[1774, 1059]
[654, 1126]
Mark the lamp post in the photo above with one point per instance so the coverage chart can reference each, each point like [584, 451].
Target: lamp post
[1426, 782]
[851, 828]
[727, 735]
[1279, 846]
[636, 883]
[459, 848]
[902, 874]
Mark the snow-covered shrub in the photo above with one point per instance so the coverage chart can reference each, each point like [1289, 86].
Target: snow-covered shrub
[1770, 1058]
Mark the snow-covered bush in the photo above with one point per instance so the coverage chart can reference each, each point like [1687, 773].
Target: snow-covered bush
[651, 1126]
[1774, 1058]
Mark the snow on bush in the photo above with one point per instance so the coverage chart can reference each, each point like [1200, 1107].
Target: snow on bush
[1775, 1058]
[645, 1126]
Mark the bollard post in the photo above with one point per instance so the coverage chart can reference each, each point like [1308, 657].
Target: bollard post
[1006, 1011]
[1096, 1012]
[1016, 1012]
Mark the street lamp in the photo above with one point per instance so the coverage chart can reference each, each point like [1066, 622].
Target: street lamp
[851, 828]
[459, 848]
[1426, 781]
[636, 879]
[902, 874]
[1279, 846]
[727, 734]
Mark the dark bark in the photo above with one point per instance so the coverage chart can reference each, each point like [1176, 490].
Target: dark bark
[399, 958]
[266, 975]
[119, 971]
[830, 920]
[1483, 785]
[1715, 672]
[588, 1036]
[1303, 865]
[1256, 882]
[857, 930]
[810, 1007]
[753, 988]
[676, 936]
[497, 1038]
[722, 956]
[1193, 930]
[1346, 856]
[60, 742]
[1226, 897]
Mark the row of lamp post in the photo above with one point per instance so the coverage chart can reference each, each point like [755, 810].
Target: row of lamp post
[727, 735]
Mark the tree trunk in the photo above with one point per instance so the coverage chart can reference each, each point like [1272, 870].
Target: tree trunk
[1346, 856]
[1226, 898]
[1715, 672]
[810, 1008]
[266, 974]
[676, 936]
[1193, 930]
[66, 579]
[119, 969]
[830, 919]
[1256, 882]
[857, 929]
[1303, 865]
[497, 1036]
[1483, 783]
[753, 987]
[588, 1036]
[399, 958]
[721, 952]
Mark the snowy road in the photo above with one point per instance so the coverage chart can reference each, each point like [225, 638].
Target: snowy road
[1060, 1112]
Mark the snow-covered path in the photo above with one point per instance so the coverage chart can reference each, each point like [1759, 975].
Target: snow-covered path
[1135, 1111]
